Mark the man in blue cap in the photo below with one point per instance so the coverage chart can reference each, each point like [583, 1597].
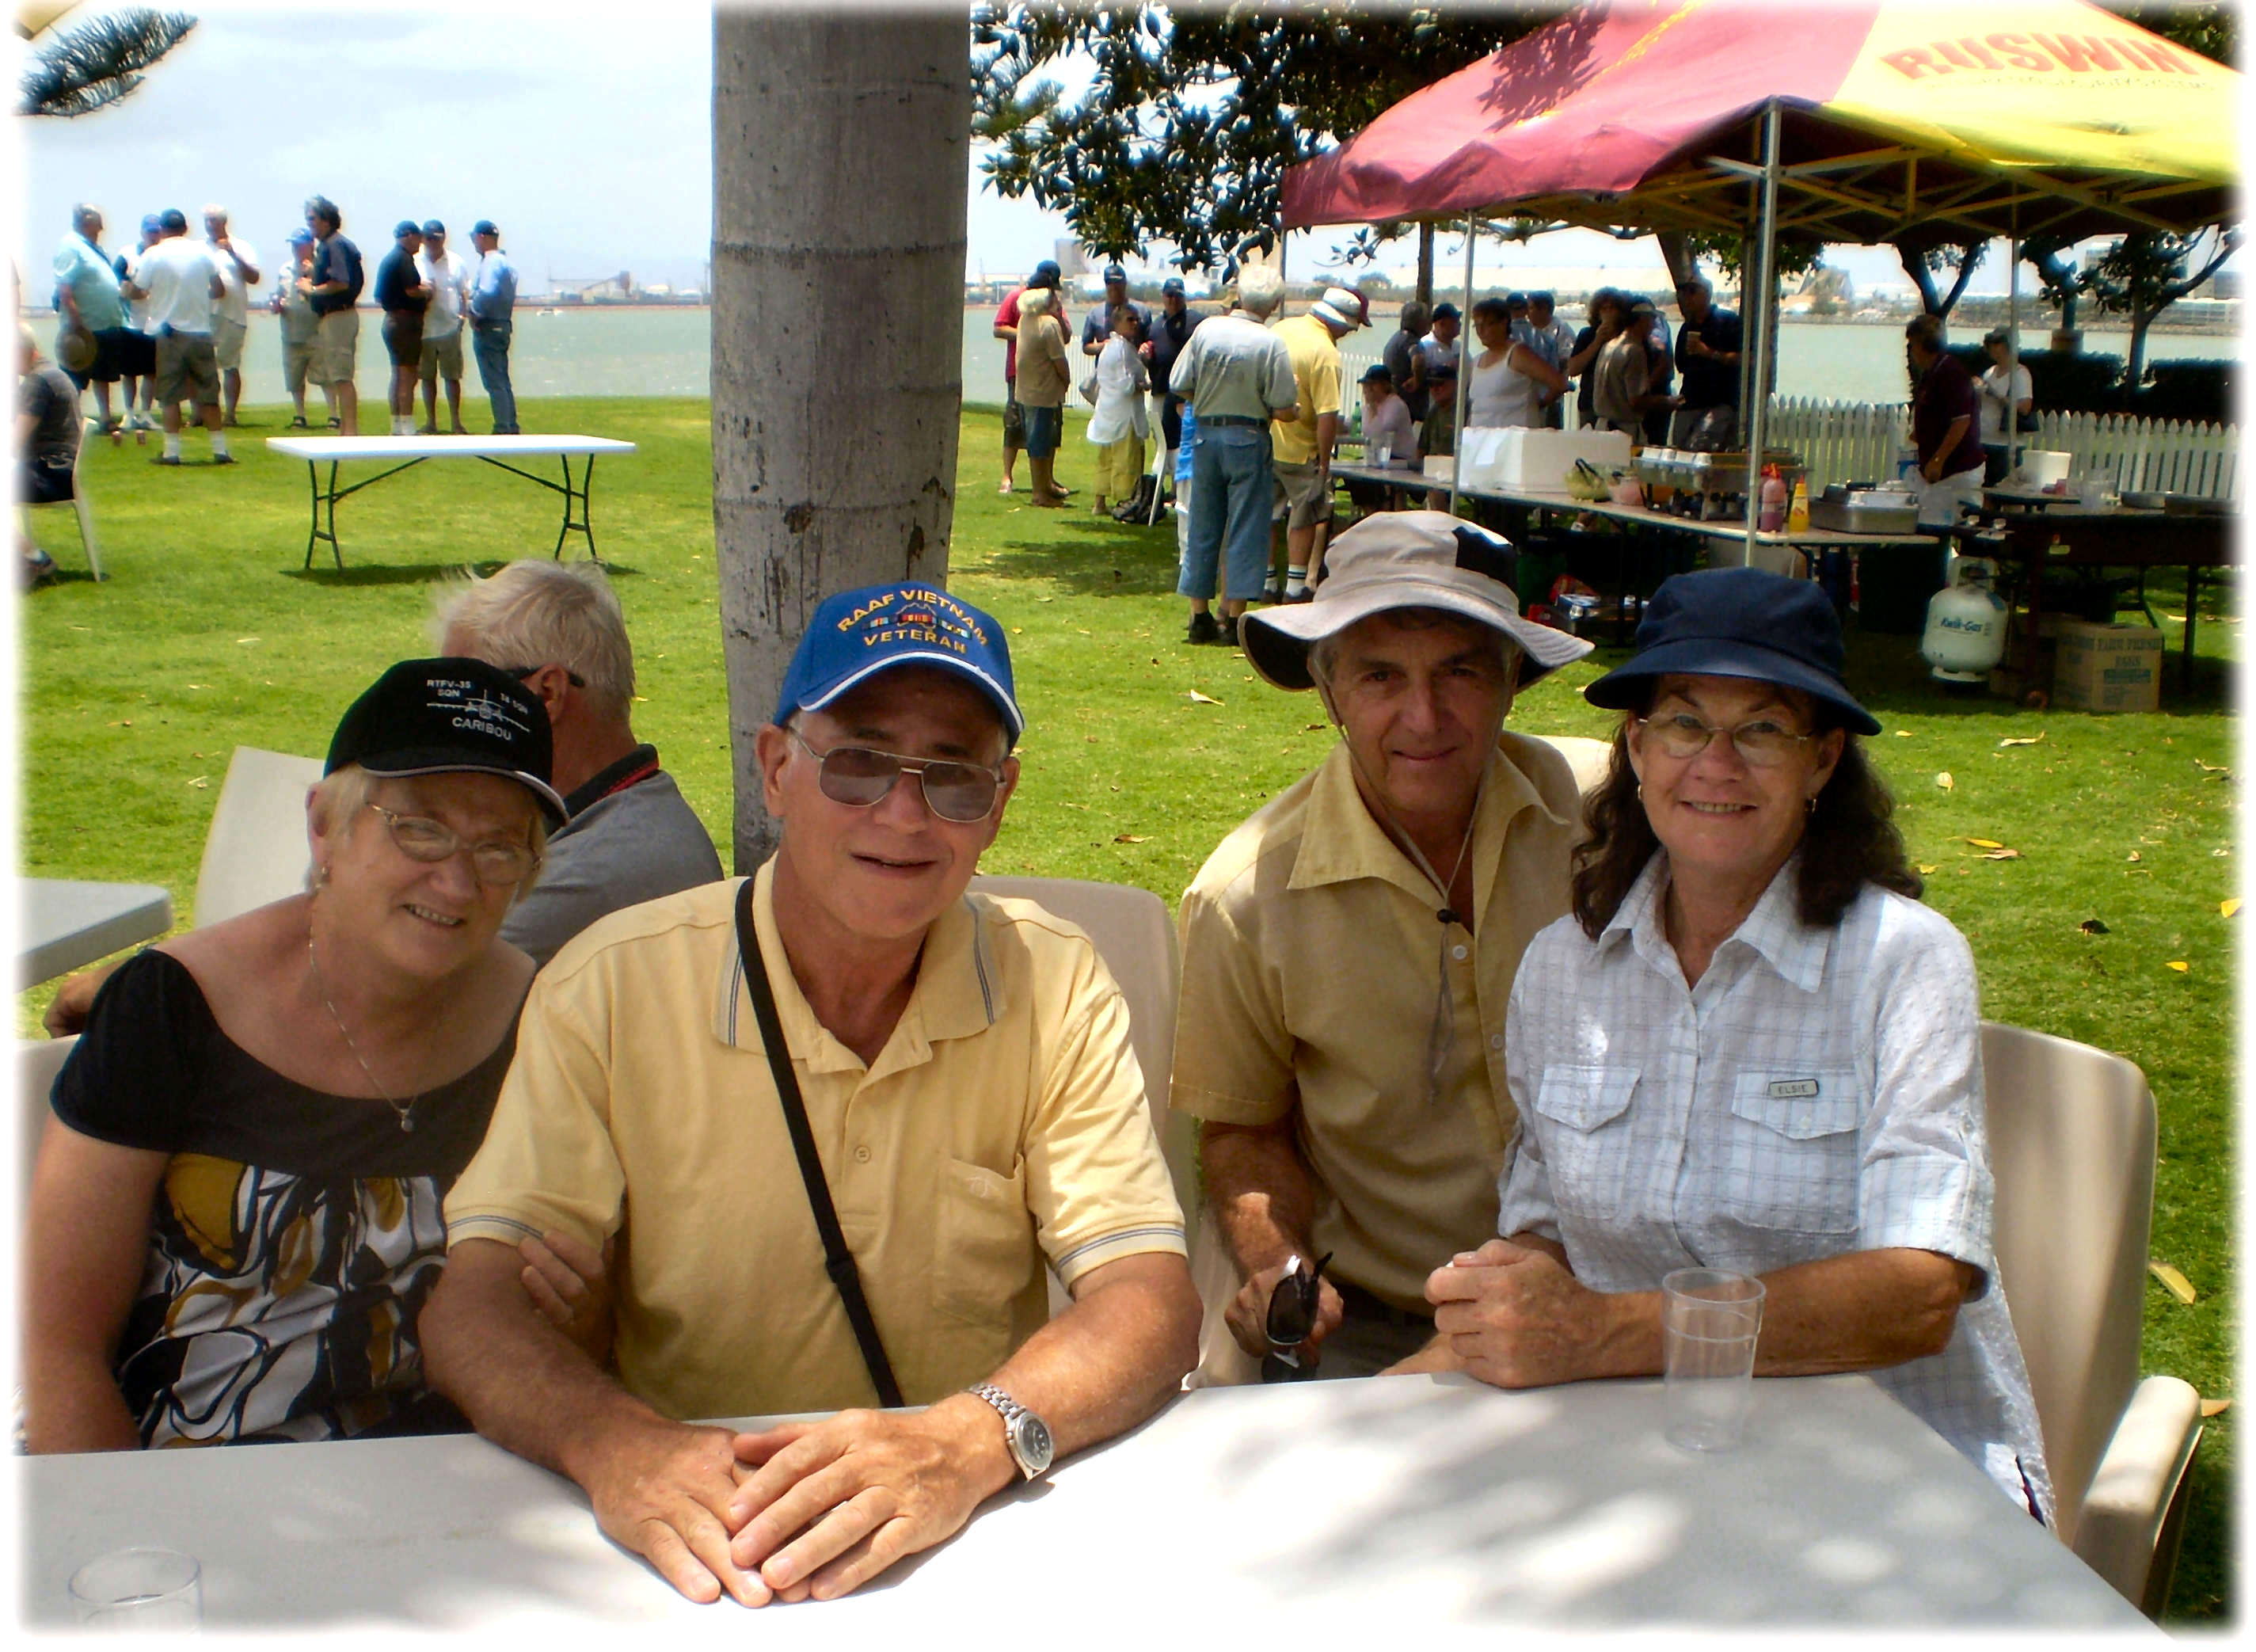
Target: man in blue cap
[448, 277]
[403, 294]
[492, 303]
[952, 1077]
[1046, 274]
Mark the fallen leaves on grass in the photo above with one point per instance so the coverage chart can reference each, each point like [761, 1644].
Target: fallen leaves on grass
[1945, 781]
[244, 642]
[2174, 1282]
[2226, 909]
[1903, 734]
[200, 782]
[1926, 871]
[2179, 965]
[1983, 842]
[2092, 926]
[1315, 728]
[2211, 768]
[2214, 1407]
[2031, 739]
[1196, 698]
[2000, 854]
[2134, 855]
[1133, 838]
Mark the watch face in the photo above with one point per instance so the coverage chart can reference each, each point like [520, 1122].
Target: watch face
[1032, 1437]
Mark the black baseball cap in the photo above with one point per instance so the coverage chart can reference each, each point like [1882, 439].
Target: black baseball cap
[484, 226]
[406, 226]
[1114, 272]
[1445, 311]
[1377, 374]
[1046, 273]
[1738, 622]
[432, 226]
[450, 716]
[1171, 287]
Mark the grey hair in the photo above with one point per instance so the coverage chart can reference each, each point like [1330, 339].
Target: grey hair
[1926, 331]
[81, 212]
[1324, 653]
[1260, 289]
[215, 211]
[1036, 300]
[537, 613]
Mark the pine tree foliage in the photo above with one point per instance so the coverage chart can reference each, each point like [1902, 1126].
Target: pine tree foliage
[92, 65]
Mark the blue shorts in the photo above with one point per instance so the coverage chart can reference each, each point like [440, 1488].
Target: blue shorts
[1045, 429]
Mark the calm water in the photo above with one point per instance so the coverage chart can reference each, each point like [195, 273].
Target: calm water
[665, 352]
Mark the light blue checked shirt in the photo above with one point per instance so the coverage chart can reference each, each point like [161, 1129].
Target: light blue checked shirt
[1818, 1092]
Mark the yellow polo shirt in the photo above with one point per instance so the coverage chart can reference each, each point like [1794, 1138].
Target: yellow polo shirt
[1003, 1124]
[1310, 951]
[1316, 381]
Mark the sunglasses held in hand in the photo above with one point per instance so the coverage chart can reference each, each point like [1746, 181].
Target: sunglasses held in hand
[1292, 1317]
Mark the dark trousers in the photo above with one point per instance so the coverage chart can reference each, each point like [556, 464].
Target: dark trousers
[489, 343]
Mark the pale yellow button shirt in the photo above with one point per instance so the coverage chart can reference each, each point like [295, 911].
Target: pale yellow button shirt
[1003, 1124]
[1310, 952]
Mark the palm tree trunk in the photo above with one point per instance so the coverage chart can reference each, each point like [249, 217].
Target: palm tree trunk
[841, 150]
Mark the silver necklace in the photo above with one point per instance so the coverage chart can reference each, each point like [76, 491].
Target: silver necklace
[402, 1108]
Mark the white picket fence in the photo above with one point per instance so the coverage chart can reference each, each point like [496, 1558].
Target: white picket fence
[1860, 442]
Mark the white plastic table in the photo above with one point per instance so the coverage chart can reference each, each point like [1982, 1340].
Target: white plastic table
[1383, 1513]
[413, 450]
[67, 924]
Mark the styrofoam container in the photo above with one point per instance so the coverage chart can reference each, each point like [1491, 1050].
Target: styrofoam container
[1541, 459]
[1438, 467]
[2040, 467]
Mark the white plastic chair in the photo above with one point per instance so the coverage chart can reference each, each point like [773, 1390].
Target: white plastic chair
[1136, 938]
[37, 1063]
[255, 850]
[79, 502]
[2071, 1132]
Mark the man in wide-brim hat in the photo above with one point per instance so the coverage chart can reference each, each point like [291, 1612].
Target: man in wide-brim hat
[1348, 952]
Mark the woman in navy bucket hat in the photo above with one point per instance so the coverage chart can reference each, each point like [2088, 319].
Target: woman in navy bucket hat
[1750, 1049]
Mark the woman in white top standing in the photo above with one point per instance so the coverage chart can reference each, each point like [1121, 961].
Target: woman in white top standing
[1119, 427]
[1508, 375]
[2007, 393]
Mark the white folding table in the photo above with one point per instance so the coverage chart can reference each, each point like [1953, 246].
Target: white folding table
[413, 450]
[68, 924]
[1384, 1512]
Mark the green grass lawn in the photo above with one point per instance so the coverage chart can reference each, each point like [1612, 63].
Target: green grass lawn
[209, 633]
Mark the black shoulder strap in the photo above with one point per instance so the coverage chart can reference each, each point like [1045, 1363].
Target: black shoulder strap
[838, 1260]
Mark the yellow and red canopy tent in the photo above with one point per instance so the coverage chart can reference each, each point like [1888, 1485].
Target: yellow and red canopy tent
[1902, 121]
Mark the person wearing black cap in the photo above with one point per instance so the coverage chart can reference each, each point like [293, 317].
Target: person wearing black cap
[1045, 276]
[1096, 327]
[236, 1215]
[492, 303]
[1171, 330]
[962, 1059]
[403, 295]
[1749, 1047]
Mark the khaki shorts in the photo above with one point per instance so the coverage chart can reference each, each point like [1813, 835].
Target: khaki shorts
[297, 357]
[442, 358]
[1307, 499]
[336, 342]
[187, 370]
[227, 342]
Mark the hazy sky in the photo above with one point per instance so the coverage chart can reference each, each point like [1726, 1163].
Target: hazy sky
[583, 130]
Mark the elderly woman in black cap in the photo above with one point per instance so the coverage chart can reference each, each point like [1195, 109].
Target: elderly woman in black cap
[1749, 1047]
[235, 1218]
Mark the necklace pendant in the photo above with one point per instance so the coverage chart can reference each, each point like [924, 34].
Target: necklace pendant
[406, 1124]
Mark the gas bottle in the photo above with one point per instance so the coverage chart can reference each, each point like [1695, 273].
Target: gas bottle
[1771, 516]
[1965, 625]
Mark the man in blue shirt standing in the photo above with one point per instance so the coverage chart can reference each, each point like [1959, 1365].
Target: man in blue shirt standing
[88, 299]
[493, 297]
[332, 288]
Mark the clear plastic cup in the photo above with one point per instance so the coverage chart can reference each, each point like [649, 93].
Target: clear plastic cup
[1710, 1321]
[139, 1590]
[1382, 452]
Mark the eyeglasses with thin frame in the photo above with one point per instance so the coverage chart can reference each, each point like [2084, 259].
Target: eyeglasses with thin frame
[1762, 743]
[859, 777]
[419, 837]
[522, 671]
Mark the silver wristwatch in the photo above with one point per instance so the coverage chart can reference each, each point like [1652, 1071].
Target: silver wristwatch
[1026, 1435]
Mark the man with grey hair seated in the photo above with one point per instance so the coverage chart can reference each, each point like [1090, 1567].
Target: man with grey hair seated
[1238, 376]
[631, 835]
[1348, 952]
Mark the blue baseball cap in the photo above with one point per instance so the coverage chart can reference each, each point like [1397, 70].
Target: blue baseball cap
[299, 237]
[857, 634]
[432, 226]
[1736, 622]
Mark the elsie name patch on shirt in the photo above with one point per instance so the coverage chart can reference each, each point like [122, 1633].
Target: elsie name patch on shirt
[1786, 1087]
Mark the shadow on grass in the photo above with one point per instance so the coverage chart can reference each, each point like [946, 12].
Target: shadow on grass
[2201, 1590]
[418, 573]
[1093, 558]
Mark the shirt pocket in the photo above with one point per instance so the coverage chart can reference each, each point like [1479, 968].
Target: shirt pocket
[985, 1251]
[1585, 1136]
[1793, 1157]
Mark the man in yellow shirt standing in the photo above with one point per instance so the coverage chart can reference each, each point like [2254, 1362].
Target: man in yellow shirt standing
[952, 1076]
[1302, 456]
[1348, 951]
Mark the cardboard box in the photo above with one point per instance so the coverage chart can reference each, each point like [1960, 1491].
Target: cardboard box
[2107, 667]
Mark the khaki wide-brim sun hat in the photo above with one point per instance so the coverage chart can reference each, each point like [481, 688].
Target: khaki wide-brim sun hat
[1405, 559]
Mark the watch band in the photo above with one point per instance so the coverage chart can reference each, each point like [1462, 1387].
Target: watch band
[1012, 1412]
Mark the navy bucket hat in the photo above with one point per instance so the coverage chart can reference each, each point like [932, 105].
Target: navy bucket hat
[1738, 622]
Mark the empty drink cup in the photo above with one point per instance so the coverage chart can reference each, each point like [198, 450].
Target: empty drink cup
[1709, 1324]
[1382, 452]
[139, 1590]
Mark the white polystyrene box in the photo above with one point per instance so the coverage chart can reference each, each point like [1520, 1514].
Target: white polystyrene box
[1541, 459]
[1481, 452]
